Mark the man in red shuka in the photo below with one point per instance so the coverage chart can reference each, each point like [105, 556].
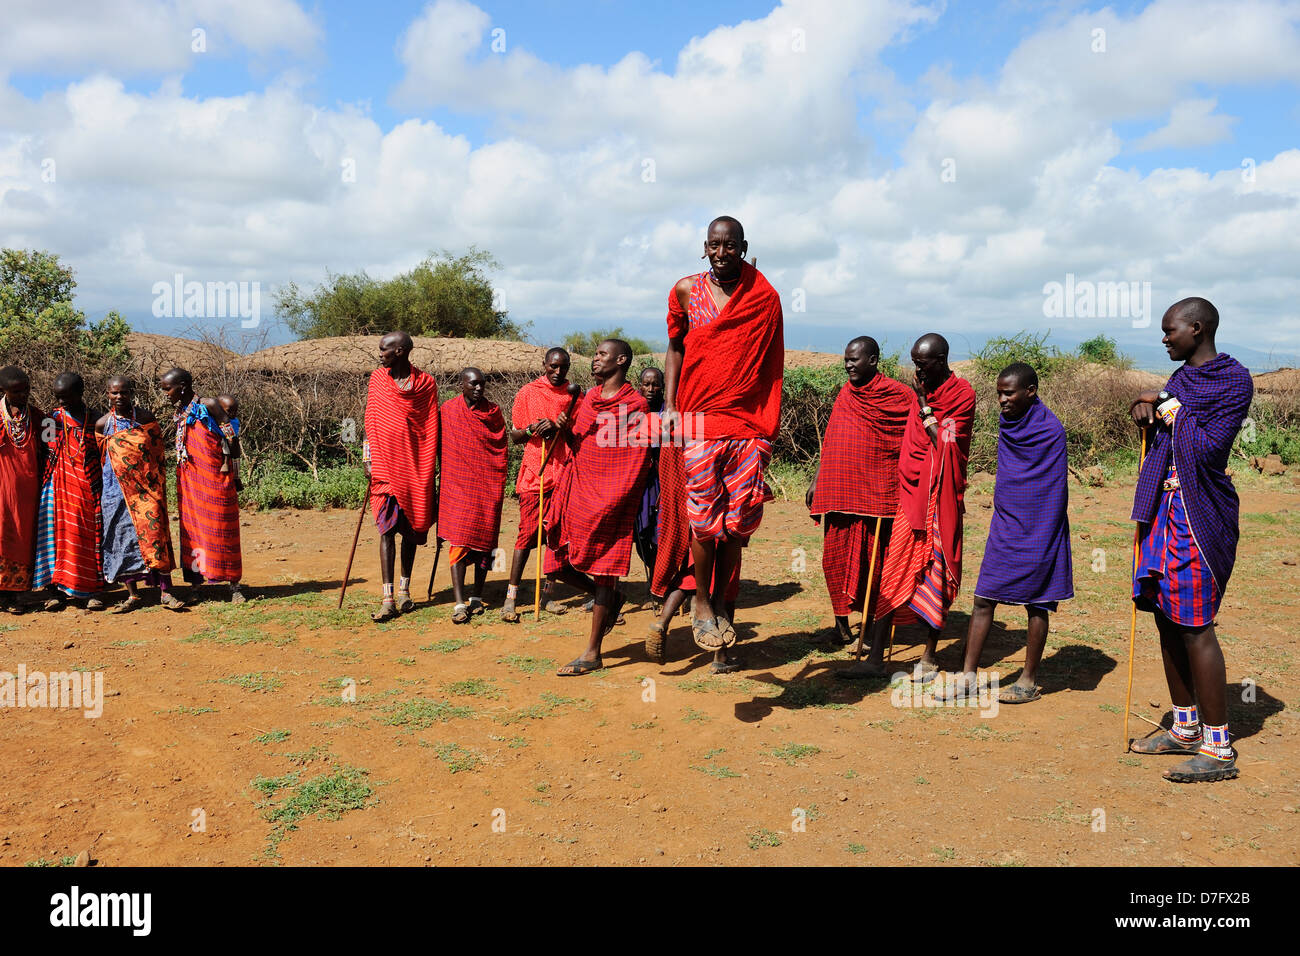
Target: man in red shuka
[722, 397]
[590, 522]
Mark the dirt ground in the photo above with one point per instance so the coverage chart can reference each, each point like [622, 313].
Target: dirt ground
[227, 736]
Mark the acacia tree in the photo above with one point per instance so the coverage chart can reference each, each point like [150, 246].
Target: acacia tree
[444, 295]
[37, 317]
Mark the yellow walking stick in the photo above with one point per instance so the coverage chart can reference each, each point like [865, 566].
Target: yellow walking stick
[866, 602]
[890, 656]
[1132, 630]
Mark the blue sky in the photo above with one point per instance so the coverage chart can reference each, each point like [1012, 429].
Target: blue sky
[853, 140]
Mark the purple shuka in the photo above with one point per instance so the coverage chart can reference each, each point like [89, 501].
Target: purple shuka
[1215, 398]
[1027, 559]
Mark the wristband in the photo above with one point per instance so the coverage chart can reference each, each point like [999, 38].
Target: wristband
[929, 421]
[926, 411]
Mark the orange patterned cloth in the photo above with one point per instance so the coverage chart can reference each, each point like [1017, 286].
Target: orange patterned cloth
[137, 456]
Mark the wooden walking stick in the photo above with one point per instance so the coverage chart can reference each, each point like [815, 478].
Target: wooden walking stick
[574, 393]
[356, 536]
[866, 602]
[890, 656]
[1132, 629]
[437, 552]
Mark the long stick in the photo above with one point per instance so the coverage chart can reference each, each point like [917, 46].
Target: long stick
[866, 602]
[890, 656]
[356, 536]
[1132, 629]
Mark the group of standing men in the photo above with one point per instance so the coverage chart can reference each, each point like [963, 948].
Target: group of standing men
[890, 494]
[674, 467]
[84, 495]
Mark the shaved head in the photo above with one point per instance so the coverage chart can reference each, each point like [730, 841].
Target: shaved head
[125, 381]
[554, 352]
[1021, 373]
[469, 372]
[1196, 309]
[69, 383]
[620, 348]
[866, 342]
[400, 339]
[179, 376]
[933, 345]
[736, 227]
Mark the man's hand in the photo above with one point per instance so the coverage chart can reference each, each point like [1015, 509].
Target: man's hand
[544, 428]
[918, 385]
[562, 421]
[670, 425]
[809, 497]
[1143, 409]
[367, 464]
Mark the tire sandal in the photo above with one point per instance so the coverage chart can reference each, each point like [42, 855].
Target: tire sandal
[1165, 743]
[656, 643]
[460, 614]
[508, 612]
[577, 667]
[726, 629]
[129, 604]
[404, 603]
[387, 611]
[707, 636]
[1016, 694]
[1203, 768]
[476, 606]
[171, 602]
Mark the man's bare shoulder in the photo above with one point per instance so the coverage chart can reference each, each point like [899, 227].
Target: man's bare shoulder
[683, 290]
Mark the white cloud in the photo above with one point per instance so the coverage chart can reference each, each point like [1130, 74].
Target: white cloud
[253, 186]
[1191, 123]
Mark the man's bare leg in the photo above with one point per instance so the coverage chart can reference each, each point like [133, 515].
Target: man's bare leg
[873, 665]
[1035, 644]
[387, 555]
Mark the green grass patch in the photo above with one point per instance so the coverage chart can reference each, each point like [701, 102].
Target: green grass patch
[327, 797]
[187, 710]
[275, 736]
[449, 646]
[792, 753]
[255, 681]
[693, 716]
[713, 770]
[457, 758]
[473, 687]
[856, 848]
[421, 712]
[529, 665]
[549, 705]
[763, 837]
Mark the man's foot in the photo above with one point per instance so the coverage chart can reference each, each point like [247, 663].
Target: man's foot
[404, 603]
[236, 595]
[589, 606]
[963, 687]
[94, 604]
[1203, 769]
[12, 607]
[554, 607]
[725, 664]
[387, 611]
[863, 670]
[508, 612]
[1020, 694]
[726, 629]
[577, 667]
[460, 614]
[656, 643]
[924, 672]
[171, 601]
[52, 604]
[707, 636]
[476, 605]
[1165, 743]
[132, 602]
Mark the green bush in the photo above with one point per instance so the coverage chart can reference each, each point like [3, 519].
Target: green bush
[1047, 360]
[338, 487]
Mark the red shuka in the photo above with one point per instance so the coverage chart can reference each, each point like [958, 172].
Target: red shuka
[930, 480]
[473, 474]
[402, 430]
[75, 470]
[859, 465]
[540, 399]
[20, 496]
[209, 509]
[731, 374]
[602, 486]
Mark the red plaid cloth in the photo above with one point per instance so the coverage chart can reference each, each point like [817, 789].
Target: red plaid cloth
[209, 509]
[731, 374]
[539, 399]
[859, 464]
[402, 431]
[78, 478]
[931, 499]
[472, 473]
[674, 534]
[589, 524]
[846, 549]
